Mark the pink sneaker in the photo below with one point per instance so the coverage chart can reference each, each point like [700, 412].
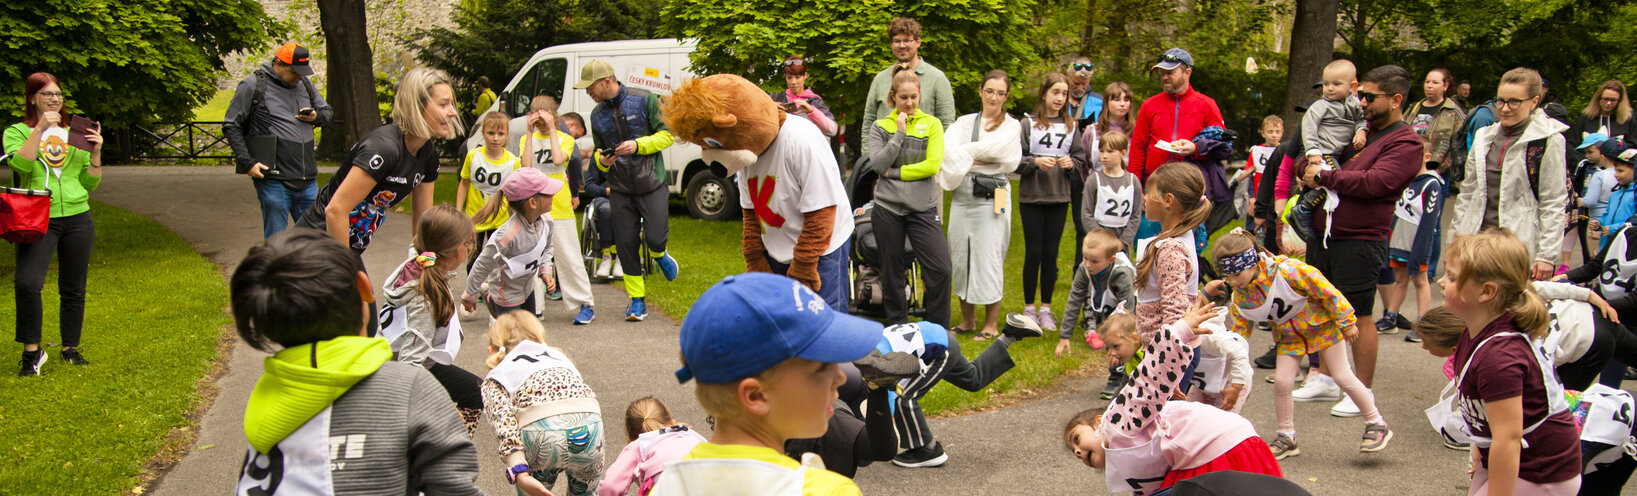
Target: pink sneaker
[1562, 269]
[1095, 341]
[1031, 314]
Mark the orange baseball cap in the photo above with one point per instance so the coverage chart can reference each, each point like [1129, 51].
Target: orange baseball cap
[297, 56]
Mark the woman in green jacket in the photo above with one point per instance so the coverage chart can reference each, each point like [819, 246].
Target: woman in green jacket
[909, 152]
[41, 158]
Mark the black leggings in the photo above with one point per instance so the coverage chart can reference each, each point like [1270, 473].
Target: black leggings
[464, 388]
[1042, 232]
[70, 239]
[925, 234]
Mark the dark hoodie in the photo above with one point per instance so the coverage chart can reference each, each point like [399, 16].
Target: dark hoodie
[339, 417]
[276, 117]
[1370, 183]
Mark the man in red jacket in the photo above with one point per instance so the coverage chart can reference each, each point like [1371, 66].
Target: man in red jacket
[1176, 115]
[1368, 185]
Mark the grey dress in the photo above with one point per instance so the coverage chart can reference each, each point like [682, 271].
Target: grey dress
[978, 237]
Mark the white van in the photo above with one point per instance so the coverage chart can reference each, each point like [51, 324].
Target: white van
[654, 65]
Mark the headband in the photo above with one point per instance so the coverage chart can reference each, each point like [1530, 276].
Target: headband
[1234, 264]
[426, 259]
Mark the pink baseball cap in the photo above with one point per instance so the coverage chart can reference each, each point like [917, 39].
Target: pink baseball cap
[528, 181]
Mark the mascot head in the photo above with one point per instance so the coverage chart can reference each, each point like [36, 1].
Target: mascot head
[731, 118]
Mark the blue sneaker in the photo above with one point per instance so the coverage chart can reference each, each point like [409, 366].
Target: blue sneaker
[585, 315]
[667, 266]
[637, 311]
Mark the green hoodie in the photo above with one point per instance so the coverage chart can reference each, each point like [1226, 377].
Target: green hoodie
[293, 389]
[70, 191]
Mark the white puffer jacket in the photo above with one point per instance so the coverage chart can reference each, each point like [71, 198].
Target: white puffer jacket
[1538, 223]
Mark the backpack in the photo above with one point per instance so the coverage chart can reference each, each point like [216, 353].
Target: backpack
[1458, 149]
[259, 97]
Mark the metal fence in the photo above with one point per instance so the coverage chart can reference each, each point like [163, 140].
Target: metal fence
[189, 140]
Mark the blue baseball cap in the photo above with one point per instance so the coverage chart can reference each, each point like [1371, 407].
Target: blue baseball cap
[748, 323]
[1173, 58]
[1612, 148]
[1592, 139]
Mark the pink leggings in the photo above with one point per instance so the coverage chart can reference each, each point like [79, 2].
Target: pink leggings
[1480, 486]
[1333, 358]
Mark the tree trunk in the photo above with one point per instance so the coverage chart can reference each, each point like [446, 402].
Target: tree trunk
[1088, 32]
[1312, 44]
[350, 70]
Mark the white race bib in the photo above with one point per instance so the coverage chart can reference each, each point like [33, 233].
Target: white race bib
[1283, 302]
[1114, 205]
[487, 176]
[523, 361]
[299, 464]
[1139, 470]
[395, 322]
[1619, 277]
[1410, 205]
[1151, 290]
[527, 264]
[1053, 142]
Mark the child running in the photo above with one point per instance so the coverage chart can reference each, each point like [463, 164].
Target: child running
[1102, 282]
[1309, 317]
[1127, 438]
[481, 175]
[552, 152]
[1506, 403]
[1115, 202]
[653, 439]
[546, 417]
[328, 388]
[519, 250]
[1168, 265]
[419, 317]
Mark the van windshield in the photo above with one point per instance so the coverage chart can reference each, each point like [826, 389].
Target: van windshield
[545, 78]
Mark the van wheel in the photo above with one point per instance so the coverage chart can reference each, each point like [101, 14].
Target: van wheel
[712, 198]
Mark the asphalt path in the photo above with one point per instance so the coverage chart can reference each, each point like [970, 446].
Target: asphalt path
[1015, 450]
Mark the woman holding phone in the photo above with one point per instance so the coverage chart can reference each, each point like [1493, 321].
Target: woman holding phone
[42, 158]
[800, 100]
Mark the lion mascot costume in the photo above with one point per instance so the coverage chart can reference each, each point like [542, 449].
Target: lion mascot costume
[796, 219]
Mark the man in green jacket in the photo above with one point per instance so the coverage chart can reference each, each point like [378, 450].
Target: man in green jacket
[936, 95]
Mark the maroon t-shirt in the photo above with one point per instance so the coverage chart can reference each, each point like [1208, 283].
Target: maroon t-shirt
[1506, 368]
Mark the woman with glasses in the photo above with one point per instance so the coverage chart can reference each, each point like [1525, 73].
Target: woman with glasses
[1608, 112]
[43, 158]
[800, 100]
[1515, 174]
[980, 220]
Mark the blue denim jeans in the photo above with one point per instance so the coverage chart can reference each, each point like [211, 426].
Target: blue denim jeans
[279, 204]
[833, 275]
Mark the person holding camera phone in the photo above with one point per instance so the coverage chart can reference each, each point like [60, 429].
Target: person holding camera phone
[44, 156]
[270, 124]
[799, 100]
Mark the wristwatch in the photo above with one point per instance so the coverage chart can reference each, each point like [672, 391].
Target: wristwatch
[514, 471]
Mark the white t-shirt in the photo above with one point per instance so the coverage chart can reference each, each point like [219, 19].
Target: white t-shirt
[797, 174]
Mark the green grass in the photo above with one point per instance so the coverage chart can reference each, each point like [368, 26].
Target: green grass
[153, 317]
[216, 108]
[445, 192]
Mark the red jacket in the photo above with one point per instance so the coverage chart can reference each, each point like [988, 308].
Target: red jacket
[1164, 117]
[1369, 185]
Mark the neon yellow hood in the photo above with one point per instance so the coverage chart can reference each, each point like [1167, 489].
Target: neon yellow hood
[292, 390]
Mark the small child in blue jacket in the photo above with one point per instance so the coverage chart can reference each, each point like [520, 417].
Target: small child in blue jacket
[1409, 250]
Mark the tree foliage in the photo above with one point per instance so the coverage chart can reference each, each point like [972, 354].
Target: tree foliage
[495, 37]
[127, 62]
[845, 43]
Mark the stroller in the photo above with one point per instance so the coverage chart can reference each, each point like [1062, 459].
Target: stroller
[868, 299]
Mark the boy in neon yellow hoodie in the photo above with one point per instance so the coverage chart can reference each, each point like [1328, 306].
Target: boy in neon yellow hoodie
[333, 414]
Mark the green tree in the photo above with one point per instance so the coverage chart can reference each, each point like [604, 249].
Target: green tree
[845, 43]
[130, 62]
[495, 37]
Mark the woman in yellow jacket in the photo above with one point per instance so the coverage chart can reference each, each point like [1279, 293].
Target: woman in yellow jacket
[909, 153]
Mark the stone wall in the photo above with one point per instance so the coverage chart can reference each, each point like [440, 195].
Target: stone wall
[389, 22]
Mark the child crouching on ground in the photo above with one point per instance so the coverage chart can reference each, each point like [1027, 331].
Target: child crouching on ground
[765, 350]
[306, 295]
[547, 418]
[1223, 376]
[653, 439]
[1102, 282]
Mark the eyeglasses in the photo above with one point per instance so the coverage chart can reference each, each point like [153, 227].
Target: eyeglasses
[1081, 66]
[1512, 103]
[1367, 97]
[904, 41]
[990, 92]
[1610, 100]
[51, 94]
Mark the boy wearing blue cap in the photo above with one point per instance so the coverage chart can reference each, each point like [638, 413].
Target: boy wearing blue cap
[765, 351]
[1622, 202]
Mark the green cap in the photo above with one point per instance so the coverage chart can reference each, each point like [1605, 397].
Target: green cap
[594, 70]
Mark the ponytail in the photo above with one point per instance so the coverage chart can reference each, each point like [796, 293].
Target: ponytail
[442, 230]
[1496, 256]
[1184, 182]
[646, 414]
[1529, 311]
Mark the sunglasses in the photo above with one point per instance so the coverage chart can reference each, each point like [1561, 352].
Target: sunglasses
[1081, 66]
[1367, 97]
[1170, 58]
[795, 61]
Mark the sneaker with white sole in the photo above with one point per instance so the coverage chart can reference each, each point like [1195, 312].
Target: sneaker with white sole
[585, 315]
[31, 363]
[1019, 326]
[1283, 447]
[637, 311]
[1345, 408]
[1375, 438]
[1319, 387]
[931, 455]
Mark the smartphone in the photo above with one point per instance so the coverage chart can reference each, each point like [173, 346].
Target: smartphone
[307, 111]
[789, 106]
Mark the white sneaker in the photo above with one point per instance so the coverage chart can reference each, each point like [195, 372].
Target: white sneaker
[1319, 387]
[1345, 408]
[617, 273]
[605, 266]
